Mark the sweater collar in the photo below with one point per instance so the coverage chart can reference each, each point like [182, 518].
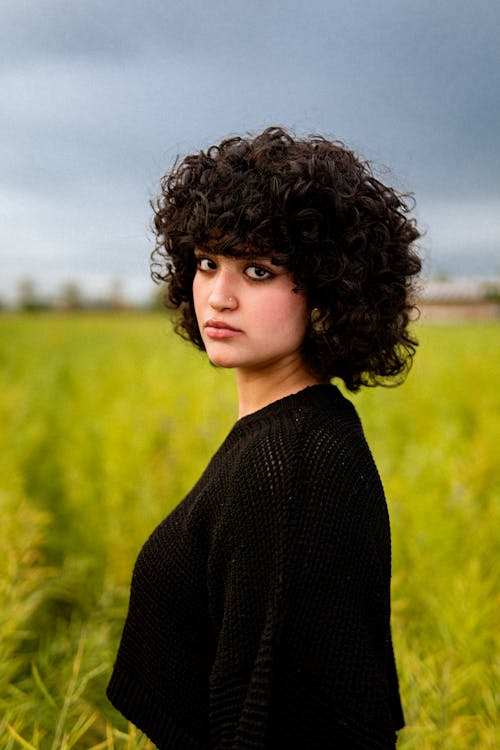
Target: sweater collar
[316, 396]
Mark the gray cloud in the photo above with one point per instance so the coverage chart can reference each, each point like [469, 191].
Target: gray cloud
[98, 98]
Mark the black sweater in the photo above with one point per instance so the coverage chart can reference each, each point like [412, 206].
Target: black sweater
[259, 608]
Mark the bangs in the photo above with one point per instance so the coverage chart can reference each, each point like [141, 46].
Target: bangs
[231, 245]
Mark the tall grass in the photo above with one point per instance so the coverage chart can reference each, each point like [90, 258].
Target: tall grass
[107, 422]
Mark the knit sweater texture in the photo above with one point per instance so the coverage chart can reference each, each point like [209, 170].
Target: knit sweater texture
[259, 608]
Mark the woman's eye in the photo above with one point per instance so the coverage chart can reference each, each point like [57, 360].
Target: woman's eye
[258, 273]
[205, 264]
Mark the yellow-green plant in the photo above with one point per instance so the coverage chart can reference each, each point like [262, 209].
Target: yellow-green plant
[106, 424]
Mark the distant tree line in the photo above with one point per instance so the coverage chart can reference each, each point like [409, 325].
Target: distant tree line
[71, 297]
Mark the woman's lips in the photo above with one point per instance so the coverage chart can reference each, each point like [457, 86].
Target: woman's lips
[218, 329]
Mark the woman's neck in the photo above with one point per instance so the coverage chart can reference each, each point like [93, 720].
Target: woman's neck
[258, 388]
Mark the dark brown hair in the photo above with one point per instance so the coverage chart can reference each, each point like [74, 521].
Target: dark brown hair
[309, 204]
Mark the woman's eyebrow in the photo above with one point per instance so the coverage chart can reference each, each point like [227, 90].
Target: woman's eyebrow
[273, 260]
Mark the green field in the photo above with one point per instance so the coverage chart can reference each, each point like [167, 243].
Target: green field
[106, 422]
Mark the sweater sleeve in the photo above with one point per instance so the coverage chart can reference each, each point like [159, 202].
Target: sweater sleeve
[298, 581]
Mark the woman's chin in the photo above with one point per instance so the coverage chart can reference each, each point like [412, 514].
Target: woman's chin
[221, 361]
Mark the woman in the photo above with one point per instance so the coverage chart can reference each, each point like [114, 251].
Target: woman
[259, 610]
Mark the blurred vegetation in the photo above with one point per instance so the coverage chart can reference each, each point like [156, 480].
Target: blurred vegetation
[71, 297]
[106, 424]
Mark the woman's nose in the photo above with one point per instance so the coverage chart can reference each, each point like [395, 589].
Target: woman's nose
[223, 294]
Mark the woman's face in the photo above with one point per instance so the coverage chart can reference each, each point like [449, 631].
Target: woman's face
[248, 313]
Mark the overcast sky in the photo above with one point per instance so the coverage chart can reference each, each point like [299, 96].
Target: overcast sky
[97, 98]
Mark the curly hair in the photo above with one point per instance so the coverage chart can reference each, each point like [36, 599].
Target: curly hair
[311, 205]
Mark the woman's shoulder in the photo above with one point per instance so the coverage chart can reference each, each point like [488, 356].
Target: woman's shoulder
[308, 461]
[308, 444]
[313, 434]
[317, 406]
[318, 419]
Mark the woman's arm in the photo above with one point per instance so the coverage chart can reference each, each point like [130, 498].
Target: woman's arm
[299, 588]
